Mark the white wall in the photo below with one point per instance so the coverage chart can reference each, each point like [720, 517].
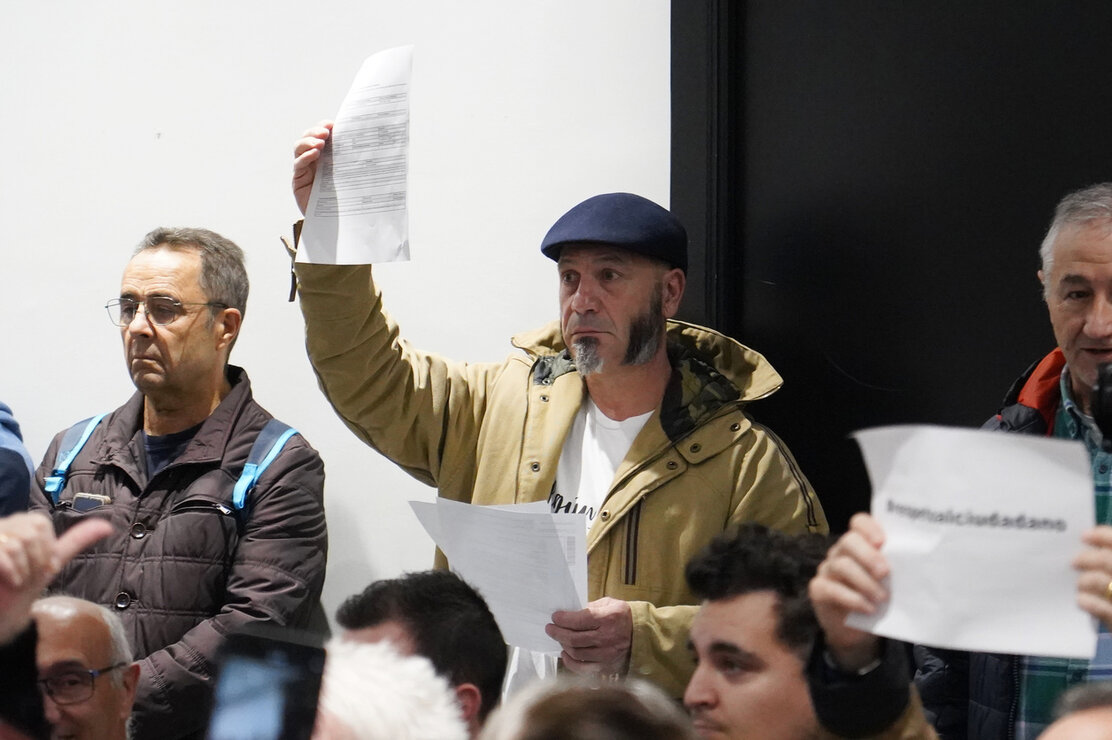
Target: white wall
[121, 116]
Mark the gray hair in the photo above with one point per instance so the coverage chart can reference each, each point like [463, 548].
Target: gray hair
[223, 274]
[1089, 205]
[370, 692]
[1083, 696]
[121, 649]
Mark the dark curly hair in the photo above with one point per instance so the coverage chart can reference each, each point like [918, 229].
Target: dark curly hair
[756, 558]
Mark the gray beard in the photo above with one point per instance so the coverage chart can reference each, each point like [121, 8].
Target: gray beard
[587, 360]
[645, 335]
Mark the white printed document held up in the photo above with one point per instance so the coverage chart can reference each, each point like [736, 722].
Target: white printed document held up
[980, 529]
[525, 561]
[358, 212]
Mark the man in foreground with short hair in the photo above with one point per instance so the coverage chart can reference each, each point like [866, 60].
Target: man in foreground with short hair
[435, 614]
[615, 411]
[753, 634]
[759, 648]
[204, 542]
[85, 669]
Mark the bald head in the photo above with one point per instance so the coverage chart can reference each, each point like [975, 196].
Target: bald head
[82, 646]
[1088, 724]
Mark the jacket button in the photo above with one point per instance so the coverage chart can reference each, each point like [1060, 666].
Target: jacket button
[123, 600]
[138, 531]
[735, 426]
[696, 447]
[535, 466]
[544, 398]
[672, 465]
[604, 515]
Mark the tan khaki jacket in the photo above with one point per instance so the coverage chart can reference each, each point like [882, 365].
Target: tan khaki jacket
[492, 433]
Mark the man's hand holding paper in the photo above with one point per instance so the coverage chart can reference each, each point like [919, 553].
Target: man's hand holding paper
[980, 533]
[596, 639]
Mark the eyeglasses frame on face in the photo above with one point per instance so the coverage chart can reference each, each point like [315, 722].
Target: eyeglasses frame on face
[118, 303]
[90, 685]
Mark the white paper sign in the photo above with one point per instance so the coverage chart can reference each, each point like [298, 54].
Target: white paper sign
[358, 212]
[980, 529]
[525, 561]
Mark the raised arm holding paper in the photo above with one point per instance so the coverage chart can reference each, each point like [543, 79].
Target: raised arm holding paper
[615, 410]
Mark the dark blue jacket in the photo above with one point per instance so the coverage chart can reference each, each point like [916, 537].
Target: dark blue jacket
[16, 467]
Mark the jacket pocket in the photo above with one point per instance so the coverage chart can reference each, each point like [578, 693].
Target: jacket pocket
[632, 528]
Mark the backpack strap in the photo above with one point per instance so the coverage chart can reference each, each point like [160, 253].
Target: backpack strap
[267, 445]
[72, 442]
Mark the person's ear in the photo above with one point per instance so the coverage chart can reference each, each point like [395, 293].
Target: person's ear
[131, 684]
[228, 322]
[672, 285]
[470, 701]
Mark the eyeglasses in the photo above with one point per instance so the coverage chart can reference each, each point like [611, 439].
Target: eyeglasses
[75, 686]
[160, 309]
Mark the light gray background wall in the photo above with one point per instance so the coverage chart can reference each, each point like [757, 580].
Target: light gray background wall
[121, 116]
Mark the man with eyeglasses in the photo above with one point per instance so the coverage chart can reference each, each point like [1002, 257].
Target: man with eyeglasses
[196, 553]
[86, 673]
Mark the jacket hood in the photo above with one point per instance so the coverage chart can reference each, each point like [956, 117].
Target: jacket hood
[748, 370]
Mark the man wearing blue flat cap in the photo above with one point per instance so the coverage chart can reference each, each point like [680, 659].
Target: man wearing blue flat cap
[615, 411]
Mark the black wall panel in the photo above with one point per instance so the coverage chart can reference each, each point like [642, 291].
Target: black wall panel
[875, 180]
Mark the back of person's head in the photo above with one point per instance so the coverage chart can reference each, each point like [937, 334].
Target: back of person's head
[371, 692]
[1084, 712]
[581, 709]
[448, 622]
[756, 558]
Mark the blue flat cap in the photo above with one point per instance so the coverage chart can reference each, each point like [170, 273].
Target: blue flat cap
[622, 220]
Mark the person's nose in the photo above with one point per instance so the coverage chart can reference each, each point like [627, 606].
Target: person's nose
[585, 297]
[1098, 324]
[51, 711]
[140, 323]
[699, 691]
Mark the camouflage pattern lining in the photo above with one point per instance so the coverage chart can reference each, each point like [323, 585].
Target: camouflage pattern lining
[696, 390]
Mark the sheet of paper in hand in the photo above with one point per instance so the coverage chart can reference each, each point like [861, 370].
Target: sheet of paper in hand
[980, 529]
[358, 209]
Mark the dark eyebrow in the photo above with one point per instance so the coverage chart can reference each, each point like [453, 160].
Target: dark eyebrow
[734, 651]
[721, 647]
[1074, 279]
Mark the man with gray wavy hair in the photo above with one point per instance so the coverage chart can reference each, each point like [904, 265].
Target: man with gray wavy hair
[86, 672]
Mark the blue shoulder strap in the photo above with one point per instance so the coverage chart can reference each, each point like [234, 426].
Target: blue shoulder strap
[267, 445]
[72, 442]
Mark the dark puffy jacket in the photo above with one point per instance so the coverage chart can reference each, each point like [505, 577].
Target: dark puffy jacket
[976, 695]
[182, 568]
